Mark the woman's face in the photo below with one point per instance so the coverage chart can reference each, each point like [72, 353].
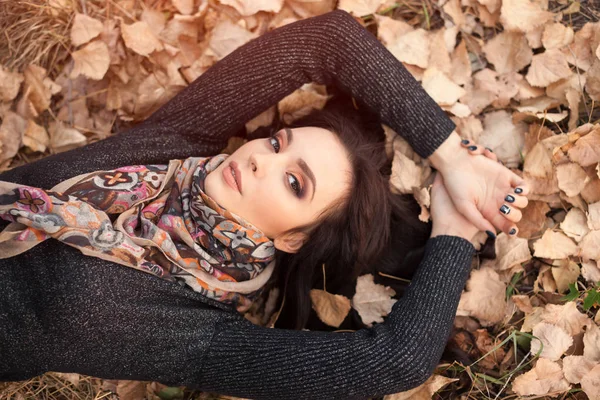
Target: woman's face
[286, 181]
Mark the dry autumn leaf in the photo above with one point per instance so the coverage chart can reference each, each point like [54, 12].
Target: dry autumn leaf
[251, 7]
[371, 300]
[555, 245]
[547, 377]
[91, 61]
[548, 67]
[139, 38]
[508, 51]
[424, 391]
[484, 298]
[576, 367]
[523, 15]
[84, 29]
[10, 83]
[332, 309]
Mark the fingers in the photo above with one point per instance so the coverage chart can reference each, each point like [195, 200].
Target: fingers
[476, 149]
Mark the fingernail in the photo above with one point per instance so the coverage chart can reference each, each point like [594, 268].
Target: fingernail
[491, 234]
[465, 141]
[505, 209]
[472, 148]
[490, 149]
[509, 198]
[518, 190]
[513, 231]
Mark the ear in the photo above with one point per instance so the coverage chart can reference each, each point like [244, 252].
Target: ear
[290, 243]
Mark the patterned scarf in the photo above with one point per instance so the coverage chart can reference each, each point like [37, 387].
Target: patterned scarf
[156, 218]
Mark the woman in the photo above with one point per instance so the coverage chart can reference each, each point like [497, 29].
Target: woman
[62, 311]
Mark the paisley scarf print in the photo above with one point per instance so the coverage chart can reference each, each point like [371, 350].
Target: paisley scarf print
[155, 218]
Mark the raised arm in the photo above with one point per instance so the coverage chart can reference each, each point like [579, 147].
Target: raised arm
[397, 355]
[330, 48]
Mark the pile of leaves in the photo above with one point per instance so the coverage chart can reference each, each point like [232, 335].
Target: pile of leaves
[517, 76]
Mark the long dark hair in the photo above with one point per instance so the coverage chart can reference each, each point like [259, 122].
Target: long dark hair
[353, 236]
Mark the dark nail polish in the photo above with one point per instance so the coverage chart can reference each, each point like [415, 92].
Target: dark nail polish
[509, 198]
[513, 231]
[505, 209]
[472, 148]
[465, 141]
[518, 190]
[491, 234]
[490, 149]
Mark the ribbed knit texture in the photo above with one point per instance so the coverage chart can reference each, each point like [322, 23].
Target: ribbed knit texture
[63, 311]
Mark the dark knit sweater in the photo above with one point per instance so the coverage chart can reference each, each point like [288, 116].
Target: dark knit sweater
[63, 311]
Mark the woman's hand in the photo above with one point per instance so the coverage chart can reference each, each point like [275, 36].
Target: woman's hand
[483, 190]
[446, 219]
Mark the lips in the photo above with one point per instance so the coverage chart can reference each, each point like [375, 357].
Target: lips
[233, 176]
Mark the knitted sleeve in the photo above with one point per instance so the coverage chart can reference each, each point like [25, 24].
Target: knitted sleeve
[401, 353]
[332, 48]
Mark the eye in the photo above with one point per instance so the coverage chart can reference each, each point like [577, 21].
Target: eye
[295, 185]
[275, 143]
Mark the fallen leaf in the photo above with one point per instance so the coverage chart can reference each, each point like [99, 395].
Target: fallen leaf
[251, 7]
[544, 378]
[10, 83]
[441, 88]
[590, 271]
[523, 15]
[139, 38]
[592, 85]
[460, 71]
[547, 67]
[565, 316]
[131, 390]
[11, 135]
[576, 367]
[227, 36]
[424, 391]
[510, 251]
[186, 7]
[590, 383]
[91, 61]
[508, 51]
[586, 150]
[485, 297]
[84, 29]
[412, 47]
[591, 342]
[554, 339]
[36, 137]
[360, 7]
[63, 138]
[504, 137]
[332, 309]
[371, 300]
[590, 246]
[302, 101]
[555, 245]
[571, 178]
[557, 35]
[39, 88]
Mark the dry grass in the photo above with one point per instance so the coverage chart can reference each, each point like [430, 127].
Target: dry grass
[55, 386]
[34, 33]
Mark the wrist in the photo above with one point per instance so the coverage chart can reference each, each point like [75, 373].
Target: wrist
[438, 230]
[446, 152]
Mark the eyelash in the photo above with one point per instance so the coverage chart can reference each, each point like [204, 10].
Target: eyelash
[298, 192]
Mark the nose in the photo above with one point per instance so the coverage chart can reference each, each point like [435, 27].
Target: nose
[261, 163]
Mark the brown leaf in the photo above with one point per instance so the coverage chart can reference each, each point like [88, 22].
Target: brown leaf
[91, 61]
[331, 308]
[227, 36]
[84, 29]
[510, 251]
[571, 178]
[484, 298]
[10, 83]
[131, 390]
[371, 300]
[424, 391]
[590, 383]
[486, 344]
[306, 9]
[555, 245]
[576, 367]
[591, 342]
[36, 137]
[360, 7]
[139, 38]
[155, 20]
[547, 67]
[523, 15]
[546, 377]
[186, 7]
[557, 35]
[39, 88]
[554, 339]
[592, 86]
[504, 137]
[63, 138]
[11, 135]
[251, 7]
[586, 150]
[302, 101]
[579, 52]
[508, 51]
[590, 271]
[460, 71]
[590, 246]
[566, 316]
[441, 88]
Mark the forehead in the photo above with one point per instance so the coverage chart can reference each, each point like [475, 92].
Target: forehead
[326, 156]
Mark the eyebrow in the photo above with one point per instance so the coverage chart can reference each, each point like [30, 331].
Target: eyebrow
[303, 165]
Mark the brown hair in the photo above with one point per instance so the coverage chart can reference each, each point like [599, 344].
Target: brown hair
[353, 233]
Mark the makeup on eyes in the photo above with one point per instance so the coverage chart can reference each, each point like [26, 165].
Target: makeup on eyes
[297, 192]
